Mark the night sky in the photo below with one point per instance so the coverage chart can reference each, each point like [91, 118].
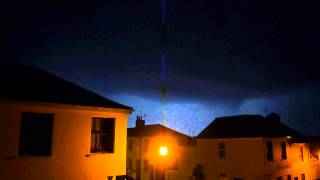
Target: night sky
[225, 57]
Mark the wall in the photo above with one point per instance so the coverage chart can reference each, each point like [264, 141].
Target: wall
[244, 158]
[294, 165]
[71, 158]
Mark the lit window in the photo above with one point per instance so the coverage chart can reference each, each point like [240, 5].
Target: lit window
[36, 134]
[283, 151]
[269, 151]
[102, 135]
[222, 151]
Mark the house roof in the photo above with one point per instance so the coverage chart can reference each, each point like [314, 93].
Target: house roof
[248, 126]
[154, 130]
[28, 83]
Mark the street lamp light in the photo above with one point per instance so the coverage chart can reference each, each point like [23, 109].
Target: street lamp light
[163, 151]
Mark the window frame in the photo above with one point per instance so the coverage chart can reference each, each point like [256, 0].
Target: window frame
[100, 134]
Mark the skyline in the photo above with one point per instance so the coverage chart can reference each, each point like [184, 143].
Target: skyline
[224, 58]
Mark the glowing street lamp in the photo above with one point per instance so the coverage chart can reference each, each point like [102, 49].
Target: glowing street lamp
[163, 151]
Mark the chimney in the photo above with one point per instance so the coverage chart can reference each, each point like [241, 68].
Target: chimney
[139, 122]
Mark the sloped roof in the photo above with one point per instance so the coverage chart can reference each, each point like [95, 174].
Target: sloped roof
[248, 126]
[28, 83]
[154, 130]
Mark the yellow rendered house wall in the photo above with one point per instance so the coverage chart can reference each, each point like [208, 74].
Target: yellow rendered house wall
[71, 158]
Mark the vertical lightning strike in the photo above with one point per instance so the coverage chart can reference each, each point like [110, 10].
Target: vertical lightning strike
[164, 59]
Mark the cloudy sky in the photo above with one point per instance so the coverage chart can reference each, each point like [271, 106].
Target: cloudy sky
[224, 57]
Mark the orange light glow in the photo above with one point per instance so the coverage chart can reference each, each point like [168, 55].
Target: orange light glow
[163, 151]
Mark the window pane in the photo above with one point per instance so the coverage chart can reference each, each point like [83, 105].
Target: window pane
[269, 151]
[283, 150]
[36, 134]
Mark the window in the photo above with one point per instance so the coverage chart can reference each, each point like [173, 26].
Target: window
[223, 177]
[301, 153]
[303, 177]
[237, 179]
[129, 166]
[296, 178]
[279, 178]
[145, 165]
[102, 135]
[269, 151]
[145, 145]
[130, 145]
[283, 151]
[36, 134]
[288, 177]
[222, 151]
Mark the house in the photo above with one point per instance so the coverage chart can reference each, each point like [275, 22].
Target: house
[55, 130]
[154, 152]
[315, 157]
[253, 147]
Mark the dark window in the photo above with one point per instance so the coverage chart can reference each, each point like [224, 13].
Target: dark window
[102, 135]
[283, 151]
[222, 151]
[279, 178]
[288, 177]
[129, 166]
[303, 177]
[296, 178]
[237, 179]
[145, 165]
[269, 151]
[130, 145]
[301, 154]
[110, 177]
[145, 145]
[36, 134]
[121, 177]
[138, 168]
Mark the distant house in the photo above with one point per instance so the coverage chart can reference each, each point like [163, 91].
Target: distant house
[252, 147]
[315, 157]
[55, 130]
[145, 143]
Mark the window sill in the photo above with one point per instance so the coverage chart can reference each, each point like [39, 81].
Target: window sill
[98, 153]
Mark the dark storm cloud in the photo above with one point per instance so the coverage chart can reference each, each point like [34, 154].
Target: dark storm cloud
[243, 53]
